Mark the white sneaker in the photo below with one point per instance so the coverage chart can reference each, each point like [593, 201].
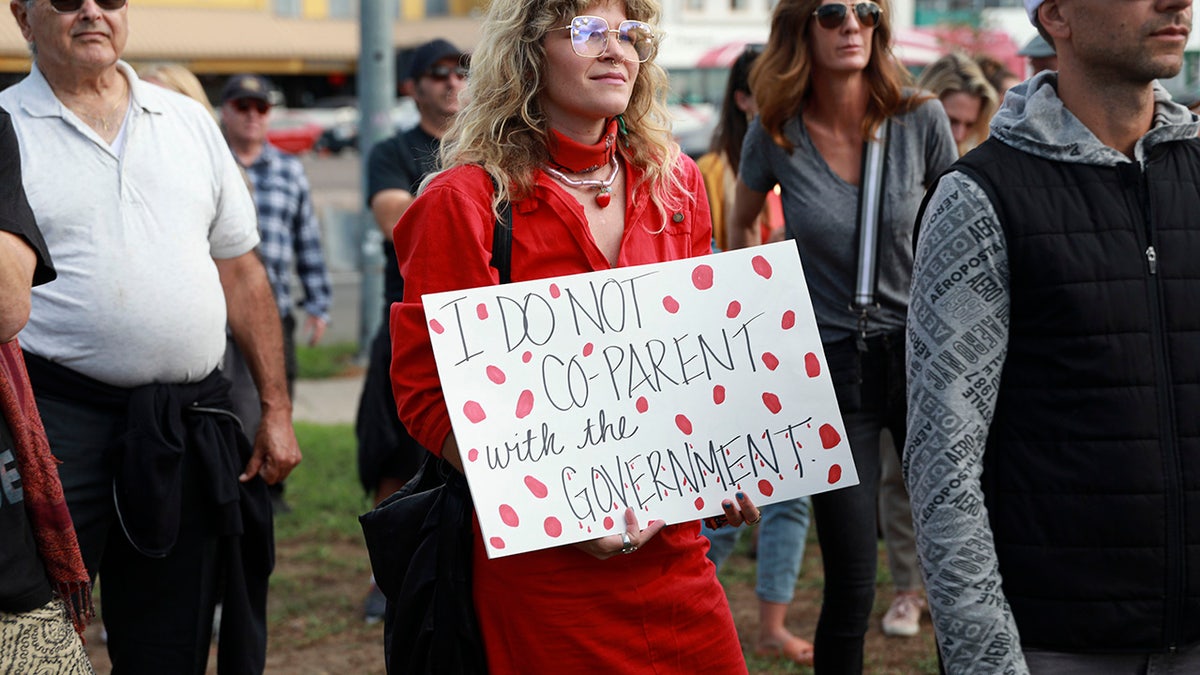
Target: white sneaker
[903, 618]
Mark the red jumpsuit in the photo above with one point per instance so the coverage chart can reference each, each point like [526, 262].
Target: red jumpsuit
[658, 610]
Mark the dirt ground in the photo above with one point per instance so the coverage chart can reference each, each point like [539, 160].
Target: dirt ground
[322, 633]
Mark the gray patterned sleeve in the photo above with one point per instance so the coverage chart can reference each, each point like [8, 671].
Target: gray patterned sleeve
[957, 342]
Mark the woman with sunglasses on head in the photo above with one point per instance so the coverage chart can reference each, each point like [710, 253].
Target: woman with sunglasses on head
[566, 121]
[841, 135]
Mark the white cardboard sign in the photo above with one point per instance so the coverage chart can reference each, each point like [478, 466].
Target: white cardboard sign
[663, 387]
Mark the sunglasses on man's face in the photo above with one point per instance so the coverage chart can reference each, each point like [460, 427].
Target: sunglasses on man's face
[72, 6]
[832, 16]
[442, 72]
[589, 38]
[245, 105]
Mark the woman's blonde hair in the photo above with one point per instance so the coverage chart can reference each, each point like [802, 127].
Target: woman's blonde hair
[503, 127]
[782, 76]
[957, 72]
[177, 78]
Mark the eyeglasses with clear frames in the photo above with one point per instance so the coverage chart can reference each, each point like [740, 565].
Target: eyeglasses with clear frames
[72, 6]
[589, 38]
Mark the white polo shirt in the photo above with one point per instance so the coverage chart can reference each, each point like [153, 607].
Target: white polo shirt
[137, 299]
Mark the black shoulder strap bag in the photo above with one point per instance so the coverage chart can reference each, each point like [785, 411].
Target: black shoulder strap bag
[420, 541]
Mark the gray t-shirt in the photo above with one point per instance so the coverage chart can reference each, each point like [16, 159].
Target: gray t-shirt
[821, 212]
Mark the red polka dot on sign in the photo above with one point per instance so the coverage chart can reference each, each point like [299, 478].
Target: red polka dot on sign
[772, 402]
[524, 404]
[770, 360]
[481, 311]
[474, 412]
[509, 516]
[812, 364]
[761, 266]
[527, 357]
[555, 291]
[788, 321]
[765, 488]
[669, 303]
[699, 503]
[552, 526]
[642, 404]
[472, 455]
[436, 326]
[719, 394]
[835, 473]
[537, 487]
[496, 542]
[587, 349]
[495, 374]
[702, 277]
[829, 436]
[684, 424]
[608, 522]
[734, 309]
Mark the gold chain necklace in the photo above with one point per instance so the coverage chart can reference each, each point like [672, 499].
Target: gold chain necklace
[604, 194]
[104, 120]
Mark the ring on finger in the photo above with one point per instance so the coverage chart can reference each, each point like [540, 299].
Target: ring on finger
[755, 521]
[627, 545]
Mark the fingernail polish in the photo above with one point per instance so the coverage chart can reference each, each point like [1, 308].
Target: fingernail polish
[741, 496]
[726, 503]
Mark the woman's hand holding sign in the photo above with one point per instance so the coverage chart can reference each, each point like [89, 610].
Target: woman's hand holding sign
[633, 537]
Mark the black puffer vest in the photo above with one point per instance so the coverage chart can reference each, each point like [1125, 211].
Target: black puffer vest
[1092, 469]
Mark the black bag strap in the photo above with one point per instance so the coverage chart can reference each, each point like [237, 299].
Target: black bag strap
[870, 213]
[502, 240]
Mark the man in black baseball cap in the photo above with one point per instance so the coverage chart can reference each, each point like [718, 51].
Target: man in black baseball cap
[246, 86]
[387, 455]
[426, 58]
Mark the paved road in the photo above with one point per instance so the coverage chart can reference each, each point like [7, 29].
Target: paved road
[338, 202]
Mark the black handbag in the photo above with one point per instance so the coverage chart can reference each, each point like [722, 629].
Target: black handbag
[421, 541]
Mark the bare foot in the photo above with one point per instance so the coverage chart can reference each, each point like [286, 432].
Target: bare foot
[790, 647]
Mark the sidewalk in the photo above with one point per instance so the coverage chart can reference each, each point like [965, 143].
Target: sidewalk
[327, 401]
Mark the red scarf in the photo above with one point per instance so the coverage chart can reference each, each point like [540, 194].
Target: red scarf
[44, 502]
[571, 156]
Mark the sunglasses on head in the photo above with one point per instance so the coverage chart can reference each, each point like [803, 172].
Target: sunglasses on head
[442, 72]
[589, 38]
[72, 6]
[245, 105]
[834, 15]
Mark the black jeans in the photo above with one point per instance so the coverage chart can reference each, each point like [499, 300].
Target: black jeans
[870, 387]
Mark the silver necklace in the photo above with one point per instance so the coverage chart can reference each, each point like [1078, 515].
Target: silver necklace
[603, 187]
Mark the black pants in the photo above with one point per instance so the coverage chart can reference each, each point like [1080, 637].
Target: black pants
[870, 388]
[158, 612]
[385, 448]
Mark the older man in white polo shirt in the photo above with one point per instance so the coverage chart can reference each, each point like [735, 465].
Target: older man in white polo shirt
[154, 233]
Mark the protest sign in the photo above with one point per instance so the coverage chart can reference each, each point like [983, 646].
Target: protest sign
[663, 387]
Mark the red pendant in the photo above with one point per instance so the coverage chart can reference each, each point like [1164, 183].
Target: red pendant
[604, 197]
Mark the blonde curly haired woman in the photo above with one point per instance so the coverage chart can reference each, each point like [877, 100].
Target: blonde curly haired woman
[566, 114]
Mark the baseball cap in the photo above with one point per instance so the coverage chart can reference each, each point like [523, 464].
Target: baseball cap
[1031, 7]
[428, 54]
[246, 86]
[1037, 48]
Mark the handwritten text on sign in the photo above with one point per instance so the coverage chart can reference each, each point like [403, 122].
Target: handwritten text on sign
[663, 387]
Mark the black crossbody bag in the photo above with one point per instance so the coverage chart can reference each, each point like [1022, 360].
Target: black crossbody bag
[421, 543]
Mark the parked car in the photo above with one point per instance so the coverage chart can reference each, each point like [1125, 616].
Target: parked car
[343, 134]
[292, 133]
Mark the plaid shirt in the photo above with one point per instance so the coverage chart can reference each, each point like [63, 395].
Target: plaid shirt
[289, 230]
